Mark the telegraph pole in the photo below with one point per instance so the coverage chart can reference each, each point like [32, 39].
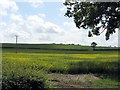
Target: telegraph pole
[16, 37]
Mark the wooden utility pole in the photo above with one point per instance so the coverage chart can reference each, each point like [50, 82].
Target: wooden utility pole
[16, 37]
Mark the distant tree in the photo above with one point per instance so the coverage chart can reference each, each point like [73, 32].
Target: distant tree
[93, 45]
[96, 16]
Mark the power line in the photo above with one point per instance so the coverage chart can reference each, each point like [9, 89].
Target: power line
[16, 37]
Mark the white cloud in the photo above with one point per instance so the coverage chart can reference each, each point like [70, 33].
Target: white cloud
[36, 29]
[6, 5]
[35, 19]
[39, 25]
[16, 17]
[3, 13]
[8, 32]
[30, 29]
[80, 36]
[36, 4]
[42, 15]
[62, 11]
[13, 6]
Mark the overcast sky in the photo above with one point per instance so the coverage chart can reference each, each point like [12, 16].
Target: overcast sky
[43, 22]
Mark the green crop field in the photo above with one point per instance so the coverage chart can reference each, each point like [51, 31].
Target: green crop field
[30, 68]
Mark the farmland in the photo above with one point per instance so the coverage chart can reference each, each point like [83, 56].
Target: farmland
[48, 66]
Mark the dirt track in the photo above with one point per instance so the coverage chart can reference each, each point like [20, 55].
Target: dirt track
[71, 81]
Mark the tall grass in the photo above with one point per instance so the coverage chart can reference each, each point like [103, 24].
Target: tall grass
[29, 70]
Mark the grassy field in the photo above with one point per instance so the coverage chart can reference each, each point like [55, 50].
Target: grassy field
[31, 67]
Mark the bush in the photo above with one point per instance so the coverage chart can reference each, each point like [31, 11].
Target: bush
[22, 83]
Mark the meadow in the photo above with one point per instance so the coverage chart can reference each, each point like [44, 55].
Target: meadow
[30, 68]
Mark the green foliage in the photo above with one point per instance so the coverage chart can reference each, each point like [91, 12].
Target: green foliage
[20, 83]
[54, 48]
[45, 46]
[28, 68]
[94, 66]
[106, 83]
[93, 44]
[19, 74]
[96, 16]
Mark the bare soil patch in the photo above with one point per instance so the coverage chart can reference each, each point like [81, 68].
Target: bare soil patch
[71, 81]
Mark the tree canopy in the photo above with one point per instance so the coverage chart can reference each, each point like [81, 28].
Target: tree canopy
[95, 16]
[93, 44]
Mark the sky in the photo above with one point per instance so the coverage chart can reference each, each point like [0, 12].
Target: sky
[41, 21]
